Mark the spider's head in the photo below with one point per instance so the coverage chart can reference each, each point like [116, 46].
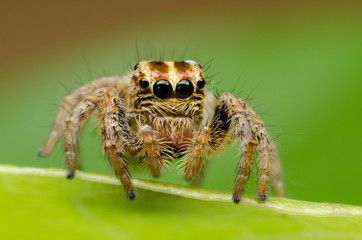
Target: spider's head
[168, 87]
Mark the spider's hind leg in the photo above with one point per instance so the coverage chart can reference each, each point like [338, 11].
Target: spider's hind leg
[276, 173]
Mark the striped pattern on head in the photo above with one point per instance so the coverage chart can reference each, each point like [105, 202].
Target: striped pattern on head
[168, 87]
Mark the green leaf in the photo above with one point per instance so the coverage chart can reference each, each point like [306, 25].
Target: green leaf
[42, 204]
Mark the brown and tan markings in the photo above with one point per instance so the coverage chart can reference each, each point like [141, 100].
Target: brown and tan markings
[163, 112]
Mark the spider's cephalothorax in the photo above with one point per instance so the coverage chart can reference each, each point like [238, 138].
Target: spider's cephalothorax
[161, 112]
[169, 98]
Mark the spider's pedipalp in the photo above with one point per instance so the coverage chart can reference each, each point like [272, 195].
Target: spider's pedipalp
[196, 153]
[152, 147]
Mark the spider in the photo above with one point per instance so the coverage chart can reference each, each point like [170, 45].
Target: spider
[161, 112]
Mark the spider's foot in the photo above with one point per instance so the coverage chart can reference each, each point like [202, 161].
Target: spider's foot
[262, 197]
[41, 153]
[70, 175]
[236, 199]
[131, 195]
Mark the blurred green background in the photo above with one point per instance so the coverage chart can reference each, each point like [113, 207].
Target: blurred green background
[299, 64]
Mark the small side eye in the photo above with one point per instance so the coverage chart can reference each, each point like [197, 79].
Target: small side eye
[200, 83]
[144, 83]
[193, 62]
[162, 89]
[184, 88]
[136, 66]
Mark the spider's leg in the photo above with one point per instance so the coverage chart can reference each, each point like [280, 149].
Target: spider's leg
[276, 173]
[229, 121]
[69, 102]
[231, 111]
[241, 122]
[269, 163]
[116, 137]
[75, 121]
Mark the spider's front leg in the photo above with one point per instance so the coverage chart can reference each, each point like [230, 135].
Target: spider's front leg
[117, 138]
[73, 124]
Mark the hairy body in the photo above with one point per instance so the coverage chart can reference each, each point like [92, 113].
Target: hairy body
[162, 112]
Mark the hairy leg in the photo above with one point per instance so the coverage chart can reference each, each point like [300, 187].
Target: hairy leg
[234, 119]
[241, 129]
[269, 163]
[229, 121]
[276, 173]
[70, 101]
[244, 170]
[117, 138]
[75, 121]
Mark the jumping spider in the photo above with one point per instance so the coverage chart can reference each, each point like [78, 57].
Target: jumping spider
[163, 112]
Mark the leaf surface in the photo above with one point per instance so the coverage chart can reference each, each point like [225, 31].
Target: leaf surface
[42, 204]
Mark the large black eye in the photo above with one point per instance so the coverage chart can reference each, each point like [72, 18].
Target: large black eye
[144, 83]
[184, 88]
[200, 83]
[162, 89]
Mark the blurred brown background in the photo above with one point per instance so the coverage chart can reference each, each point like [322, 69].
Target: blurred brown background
[34, 28]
